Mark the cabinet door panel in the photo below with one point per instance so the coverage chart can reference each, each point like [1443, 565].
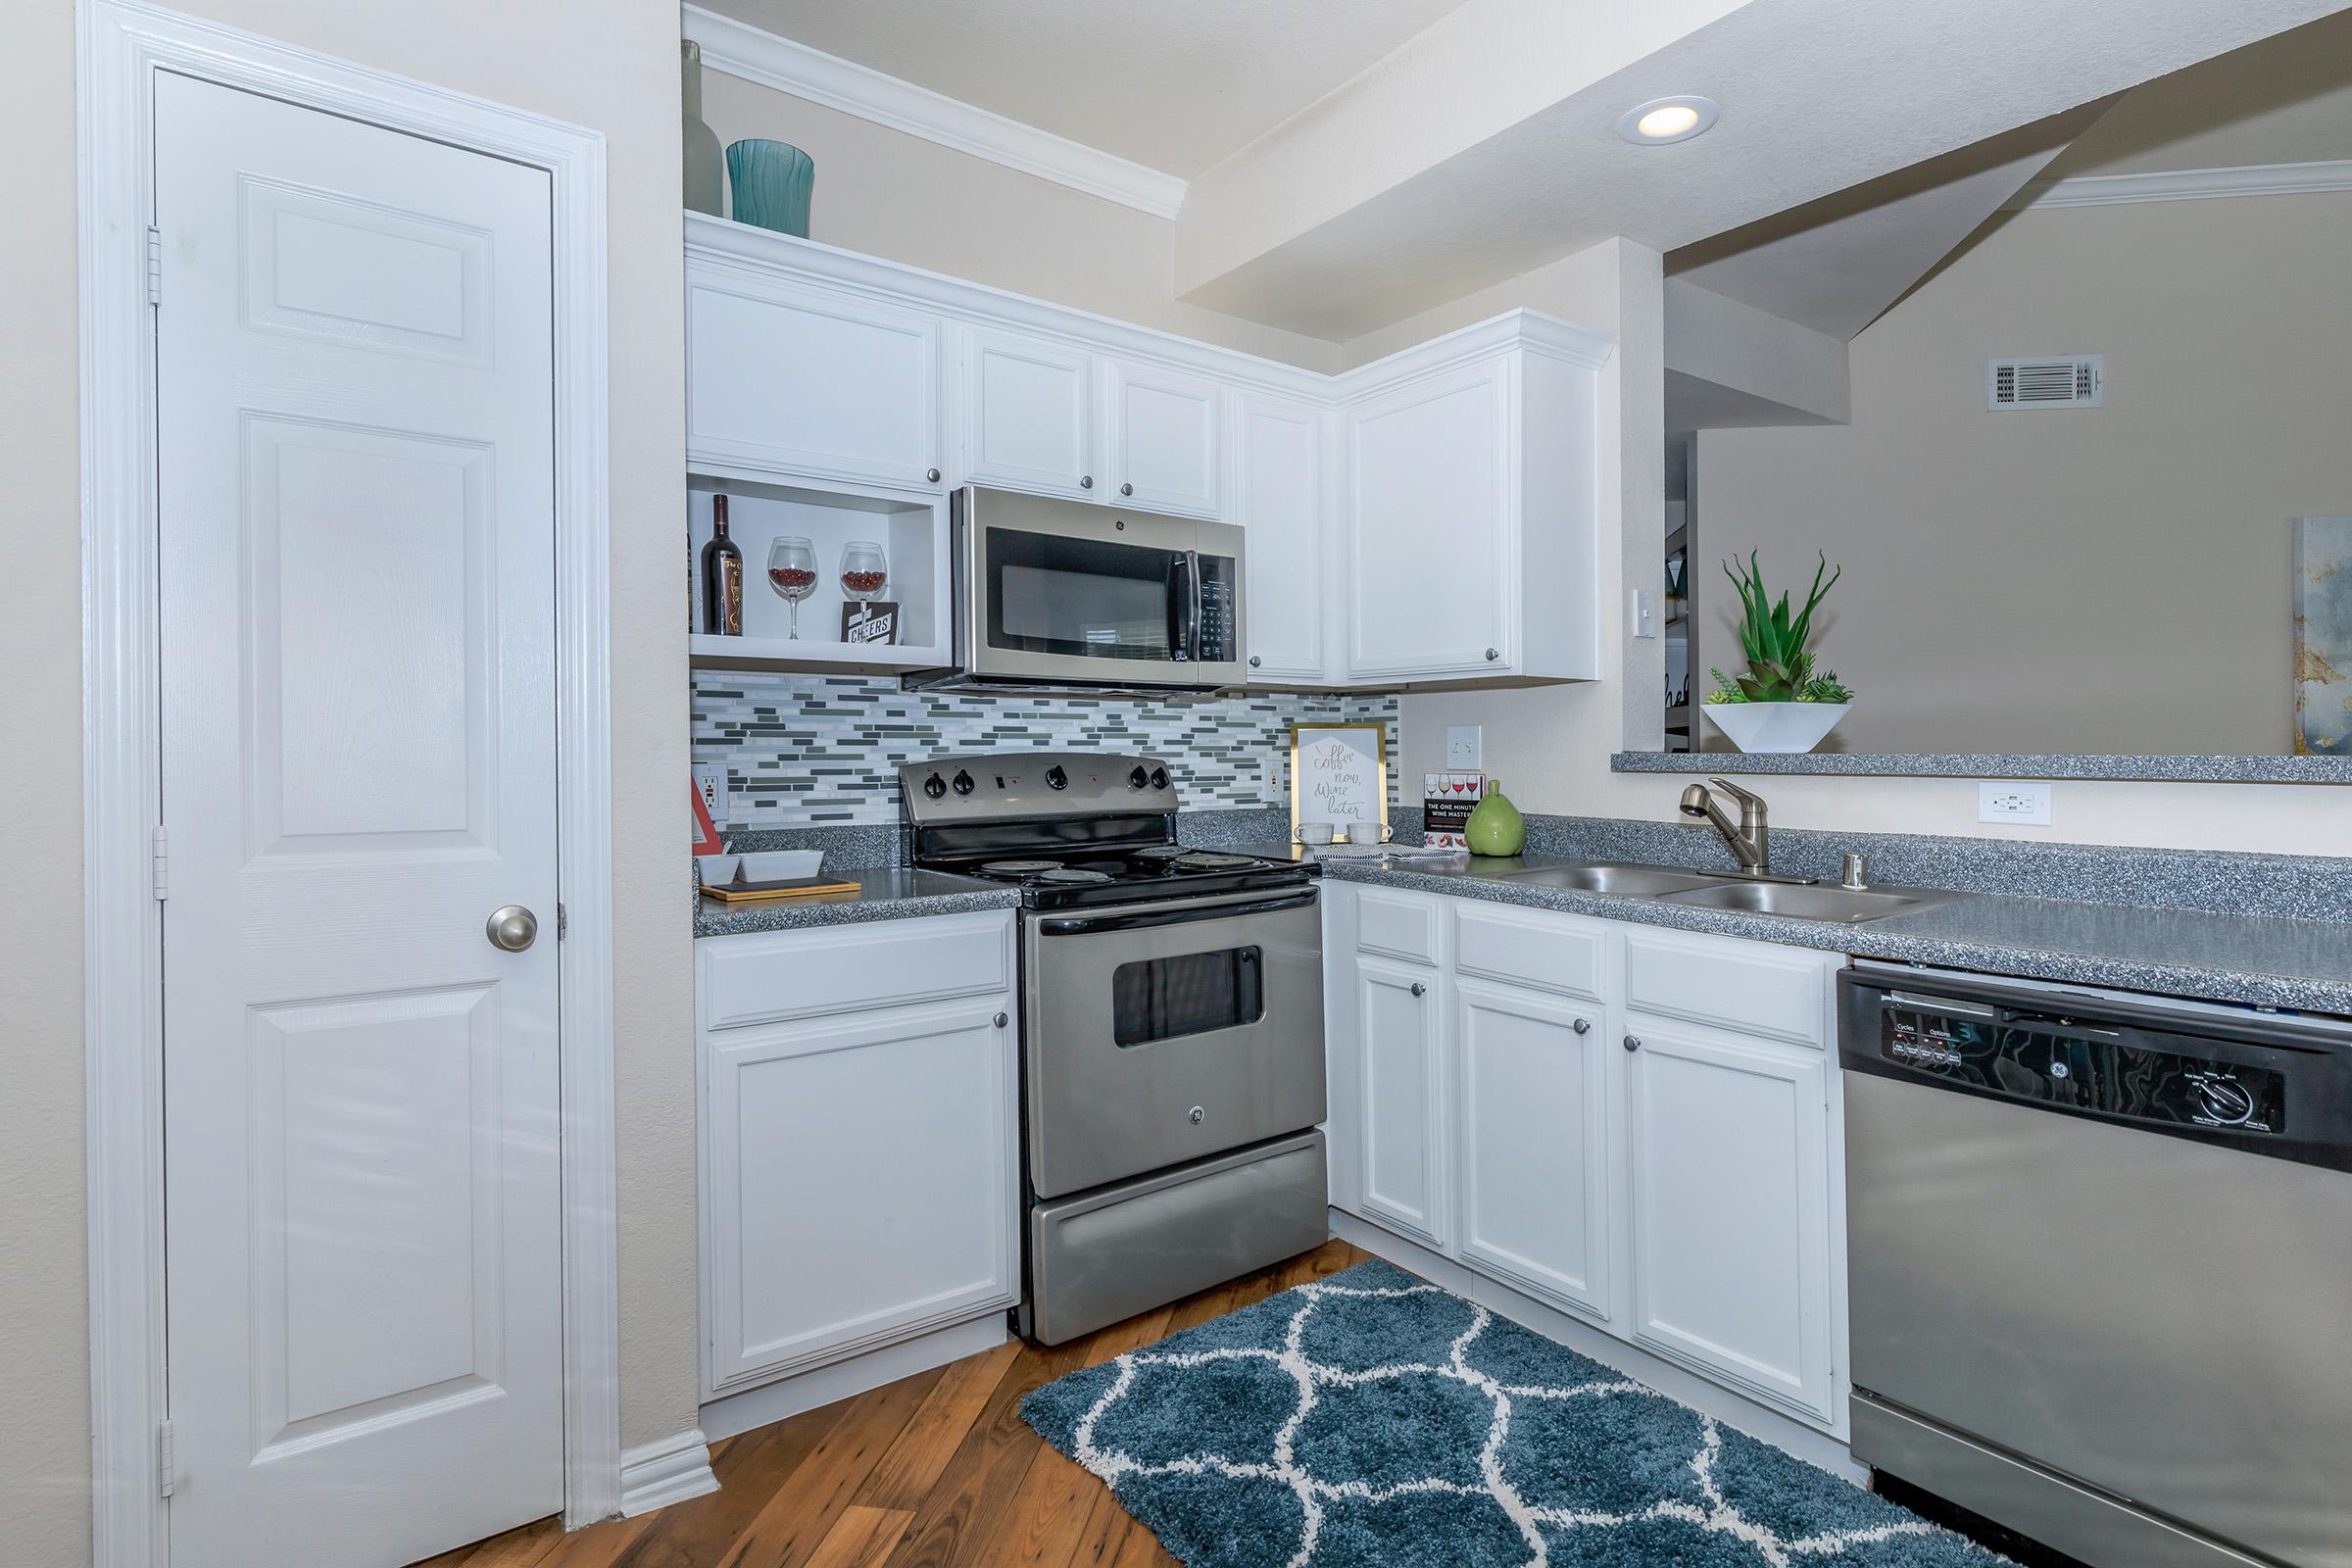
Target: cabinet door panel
[1402, 1126]
[861, 1184]
[1731, 1208]
[802, 380]
[1430, 508]
[1534, 1140]
[1162, 453]
[1278, 495]
[1029, 413]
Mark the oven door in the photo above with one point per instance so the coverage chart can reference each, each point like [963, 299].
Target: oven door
[1159, 1033]
[1059, 591]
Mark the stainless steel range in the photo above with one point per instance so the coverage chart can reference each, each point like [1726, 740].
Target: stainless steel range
[1171, 1030]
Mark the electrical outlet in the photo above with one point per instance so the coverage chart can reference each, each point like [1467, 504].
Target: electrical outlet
[1644, 613]
[1269, 787]
[711, 779]
[2019, 804]
[1465, 748]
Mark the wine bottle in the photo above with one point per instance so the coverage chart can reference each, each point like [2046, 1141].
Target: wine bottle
[722, 577]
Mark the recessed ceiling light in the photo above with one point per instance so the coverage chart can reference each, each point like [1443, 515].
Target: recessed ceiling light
[1664, 119]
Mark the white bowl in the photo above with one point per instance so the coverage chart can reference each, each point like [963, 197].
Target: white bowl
[782, 865]
[717, 869]
[1774, 726]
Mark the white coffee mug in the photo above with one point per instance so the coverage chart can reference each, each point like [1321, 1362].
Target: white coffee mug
[1367, 833]
[1316, 832]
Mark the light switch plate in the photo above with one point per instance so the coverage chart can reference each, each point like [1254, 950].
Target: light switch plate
[1644, 613]
[1465, 748]
[711, 779]
[2019, 803]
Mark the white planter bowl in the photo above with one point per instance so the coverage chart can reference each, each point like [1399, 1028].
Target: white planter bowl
[1776, 726]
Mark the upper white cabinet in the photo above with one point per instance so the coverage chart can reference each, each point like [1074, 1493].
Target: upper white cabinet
[1472, 539]
[1162, 438]
[1278, 499]
[1028, 413]
[786, 378]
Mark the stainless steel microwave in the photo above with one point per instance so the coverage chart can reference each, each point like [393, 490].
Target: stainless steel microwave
[1065, 593]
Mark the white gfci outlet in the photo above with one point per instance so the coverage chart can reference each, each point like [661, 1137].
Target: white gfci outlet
[711, 779]
[2019, 803]
[1465, 748]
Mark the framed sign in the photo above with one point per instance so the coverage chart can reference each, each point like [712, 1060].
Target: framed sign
[1338, 773]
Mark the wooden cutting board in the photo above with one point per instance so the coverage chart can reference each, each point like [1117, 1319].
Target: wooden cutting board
[806, 887]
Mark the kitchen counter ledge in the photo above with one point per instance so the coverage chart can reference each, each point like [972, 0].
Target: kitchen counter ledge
[883, 893]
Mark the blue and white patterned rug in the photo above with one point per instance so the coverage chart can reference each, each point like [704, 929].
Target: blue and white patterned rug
[1373, 1418]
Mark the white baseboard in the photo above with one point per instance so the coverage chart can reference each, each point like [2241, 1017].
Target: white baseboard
[770, 1402]
[655, 1475]
[1677, 1383]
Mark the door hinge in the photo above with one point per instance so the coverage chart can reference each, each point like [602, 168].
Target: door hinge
[159, 847]
[561, 922]
[155, 265]
[163, 1458]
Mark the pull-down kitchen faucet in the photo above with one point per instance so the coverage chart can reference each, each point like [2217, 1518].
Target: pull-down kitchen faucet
[1751, 840]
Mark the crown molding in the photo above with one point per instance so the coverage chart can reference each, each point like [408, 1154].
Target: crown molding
[2185, 185]
[745, 51]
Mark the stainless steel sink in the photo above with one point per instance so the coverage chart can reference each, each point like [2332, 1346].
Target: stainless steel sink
[1797, 902]
[1596, 876]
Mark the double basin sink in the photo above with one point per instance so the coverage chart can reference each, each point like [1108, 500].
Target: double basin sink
[1793, 899]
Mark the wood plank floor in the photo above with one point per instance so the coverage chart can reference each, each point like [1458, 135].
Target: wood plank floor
[935, 1471]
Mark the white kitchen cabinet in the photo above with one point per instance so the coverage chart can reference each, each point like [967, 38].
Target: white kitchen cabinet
[1402, 1125]
[860, 1176]
[1029, 413]
[1532, 1081]
[1472, 535]
[1729, 1144]
[789, 378]
[1162, 438]
[1278, 499]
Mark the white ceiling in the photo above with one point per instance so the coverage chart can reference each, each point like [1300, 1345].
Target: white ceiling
[1175, 86]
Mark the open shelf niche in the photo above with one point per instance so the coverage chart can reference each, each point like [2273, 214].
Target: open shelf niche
[911, 528]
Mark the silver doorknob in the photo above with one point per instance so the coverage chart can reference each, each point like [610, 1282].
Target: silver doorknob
[1633, 1042]
[1086, 481]
[931, 475]
[1002, 1021]
[1126, 489]
[512, 927]
[1584, 1026]
[1492, 654]
[1419, 988]
[1254, 661]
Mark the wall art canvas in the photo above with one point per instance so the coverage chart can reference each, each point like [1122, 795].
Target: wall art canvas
[2324, 636]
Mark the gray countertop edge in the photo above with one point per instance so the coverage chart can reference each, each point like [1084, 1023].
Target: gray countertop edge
[1885, 940]
[884, 893]
[1998, 764]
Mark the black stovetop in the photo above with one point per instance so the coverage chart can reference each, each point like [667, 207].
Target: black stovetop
[1061, 878]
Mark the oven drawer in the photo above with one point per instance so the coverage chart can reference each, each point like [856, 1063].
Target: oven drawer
[1105, 1255]
[775, 976]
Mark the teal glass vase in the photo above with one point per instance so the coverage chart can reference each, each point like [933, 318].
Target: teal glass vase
[773, 181]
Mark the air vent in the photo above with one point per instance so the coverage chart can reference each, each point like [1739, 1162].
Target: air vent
[2046, 382]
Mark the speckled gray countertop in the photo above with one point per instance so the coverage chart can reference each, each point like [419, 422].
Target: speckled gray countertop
[883, 893]
[2299, 964]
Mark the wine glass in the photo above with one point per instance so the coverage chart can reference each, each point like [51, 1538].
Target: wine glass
[791, 572]
[863, 571]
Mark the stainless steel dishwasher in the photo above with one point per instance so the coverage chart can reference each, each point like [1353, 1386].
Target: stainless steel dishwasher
[2100, 1251]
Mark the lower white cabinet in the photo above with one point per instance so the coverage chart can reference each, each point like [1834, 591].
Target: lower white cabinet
[860, 1165]
[1731, 1207]
[1402, 1083]
[1532, 1083]
[1674, 1181]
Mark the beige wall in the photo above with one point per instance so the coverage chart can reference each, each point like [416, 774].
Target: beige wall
[2109, 579]
[885, 193]
[605, 64]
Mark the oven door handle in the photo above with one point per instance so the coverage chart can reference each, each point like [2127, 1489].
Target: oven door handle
[1087, 925]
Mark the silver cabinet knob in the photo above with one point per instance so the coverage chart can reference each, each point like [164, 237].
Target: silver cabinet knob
[1086, 481]
[1492, 654]
[1419, 988]
[512, 927]
[1584, 1026]
[1254, 661]
[1126, 489]
[1002, 1021]
[1633, 1042]
[931, 475]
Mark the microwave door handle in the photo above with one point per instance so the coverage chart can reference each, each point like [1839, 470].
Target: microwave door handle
[1192, 626]
[1180, 605]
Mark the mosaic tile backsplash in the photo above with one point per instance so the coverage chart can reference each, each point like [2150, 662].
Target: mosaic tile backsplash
[805, 751]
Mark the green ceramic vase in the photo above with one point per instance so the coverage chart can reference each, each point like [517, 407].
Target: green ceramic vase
[773, 181]
[1495, 826]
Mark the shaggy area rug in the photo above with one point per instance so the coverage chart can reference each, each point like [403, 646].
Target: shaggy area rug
[1373, 1418]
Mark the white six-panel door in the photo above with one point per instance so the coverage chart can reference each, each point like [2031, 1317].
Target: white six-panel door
[355, 451]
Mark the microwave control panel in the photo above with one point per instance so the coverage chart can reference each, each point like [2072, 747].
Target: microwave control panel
[1218, 644]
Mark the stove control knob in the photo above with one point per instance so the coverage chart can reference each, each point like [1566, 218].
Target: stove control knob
[2225, 1099]
[935, 786]
[1136, 779]
[964, 782]
[1056, 778]
[1159, 778]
